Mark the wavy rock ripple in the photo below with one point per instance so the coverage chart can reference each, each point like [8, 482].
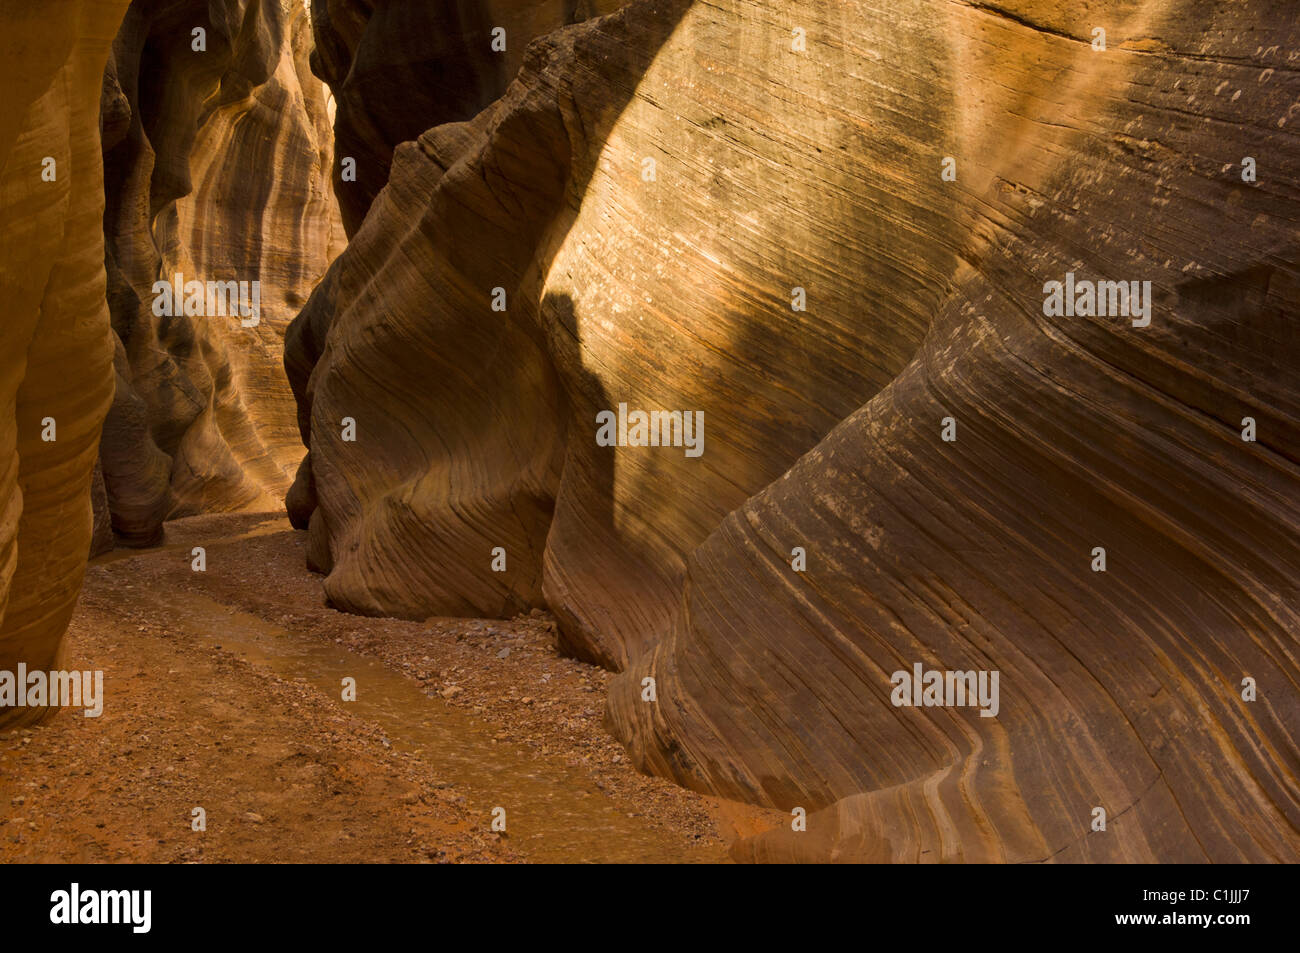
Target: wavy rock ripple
[774, 169]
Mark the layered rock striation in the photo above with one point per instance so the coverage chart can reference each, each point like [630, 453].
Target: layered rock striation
[397, 69]
[217, 152]
[844, 235]
[56, 378]
[564, 185]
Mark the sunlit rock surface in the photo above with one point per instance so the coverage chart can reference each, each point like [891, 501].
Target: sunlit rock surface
[1120, 690]
[799, 147]
[665, 288]
[217, 168]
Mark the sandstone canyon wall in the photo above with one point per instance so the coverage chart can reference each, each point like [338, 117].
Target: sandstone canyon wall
[397, 68]
[56, 378]
[211, 137]
[217, 168]
[739, 208]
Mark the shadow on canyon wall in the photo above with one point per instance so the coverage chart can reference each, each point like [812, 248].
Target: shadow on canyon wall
[974, 554]
[1113, 527]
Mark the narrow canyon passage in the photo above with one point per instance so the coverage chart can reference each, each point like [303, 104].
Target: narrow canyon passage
[228, 697]
[651, 430]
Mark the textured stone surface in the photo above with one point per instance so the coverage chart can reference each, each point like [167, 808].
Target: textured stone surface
[55, 356]
[820, 169]
[619, 290]
[101, 537]
[1120, 690]
[217, 169]
[399, 68]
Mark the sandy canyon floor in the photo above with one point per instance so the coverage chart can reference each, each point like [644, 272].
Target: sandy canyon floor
[223, 691]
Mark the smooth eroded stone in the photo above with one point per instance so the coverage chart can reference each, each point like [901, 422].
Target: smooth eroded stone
[56, 370]
[645, 204]
[217, 169]
[1119, 689]
[397, 69]
[670, 290]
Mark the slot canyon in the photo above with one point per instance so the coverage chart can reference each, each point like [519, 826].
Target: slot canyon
[666, 431]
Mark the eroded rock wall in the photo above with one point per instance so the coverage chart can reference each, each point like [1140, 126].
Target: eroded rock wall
[798, 152]
[398, 68]
[1120, 689]
[667, 286]
[55, 358]
[217, 166]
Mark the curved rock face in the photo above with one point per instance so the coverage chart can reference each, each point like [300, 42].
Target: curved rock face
[914, 454]
[216, 166]
[1113, 528]
[621, 285]
[55, 361]
[397, 69]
